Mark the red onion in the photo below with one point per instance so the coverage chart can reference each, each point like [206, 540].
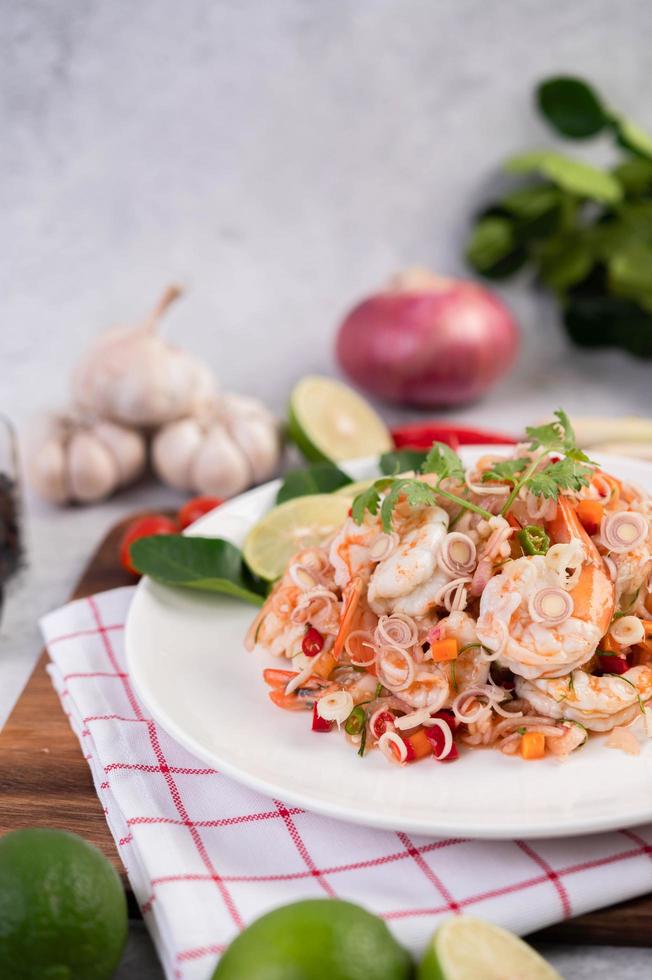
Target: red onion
[428, 341]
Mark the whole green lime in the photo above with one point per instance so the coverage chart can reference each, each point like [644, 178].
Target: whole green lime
[63, 912]
[314, 940]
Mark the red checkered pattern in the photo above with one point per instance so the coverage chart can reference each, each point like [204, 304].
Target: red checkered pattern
[205, 855]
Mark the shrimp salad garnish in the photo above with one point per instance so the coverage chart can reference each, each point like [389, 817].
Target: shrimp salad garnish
[508, 605]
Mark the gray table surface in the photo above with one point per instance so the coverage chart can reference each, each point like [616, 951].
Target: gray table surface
[281, 160]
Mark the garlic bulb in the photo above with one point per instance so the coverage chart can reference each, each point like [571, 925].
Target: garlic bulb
[72, 459]
[130, 375]
[222, 449]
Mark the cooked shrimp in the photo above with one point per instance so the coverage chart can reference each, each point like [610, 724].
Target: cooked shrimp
[598, 703]
[514, 622]
[409, 579]
[304, 595]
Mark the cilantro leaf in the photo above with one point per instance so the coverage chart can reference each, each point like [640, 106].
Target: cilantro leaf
[505, 471]
[417, 494]
[565, 474]
[443, 462]
[554, 436]
[369, 499]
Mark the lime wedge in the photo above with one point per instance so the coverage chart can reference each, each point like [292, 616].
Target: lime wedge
[302, 522]
[466, 949]
[329, 421]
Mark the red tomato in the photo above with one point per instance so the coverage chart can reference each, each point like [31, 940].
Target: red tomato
[143, 527]
[195, 508]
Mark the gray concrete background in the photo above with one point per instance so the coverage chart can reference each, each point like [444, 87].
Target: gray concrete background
[281, 158]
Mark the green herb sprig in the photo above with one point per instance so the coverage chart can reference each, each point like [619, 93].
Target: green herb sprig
[572, 472]
[442, 462]
[585, 232]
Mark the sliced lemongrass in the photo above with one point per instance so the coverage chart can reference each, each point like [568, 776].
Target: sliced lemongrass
[385, 743]
[627, 630]
[366, 640]
[449, 595]
[397, 630]
[457, 554]
[415, 718]
[550, 606]
[394, 684]
[384, 546]
[623, 531]
[480, 711]
[336, 706]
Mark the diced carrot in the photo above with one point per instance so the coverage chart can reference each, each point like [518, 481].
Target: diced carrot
[419, 744]
[642, 653]
[324, 666]
[610, 645]
[443, 650]
[590, 513]
[647, 626]
[533, 745]
[348, 616]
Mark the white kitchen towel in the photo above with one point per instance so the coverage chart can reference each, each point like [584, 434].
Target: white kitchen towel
[205, 856]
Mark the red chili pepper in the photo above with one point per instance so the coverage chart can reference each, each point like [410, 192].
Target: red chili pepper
[436, 738]
[382, 722]
[312, 643]
[447, 715]
[421, 435]
[411, 754]
[613, 664]
[319, 724]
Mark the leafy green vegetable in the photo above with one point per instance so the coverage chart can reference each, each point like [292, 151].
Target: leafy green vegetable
[566, 474]
[570, 175]
[505, 470]
[207, 564]
[441, 461]
[557, 436]
[318, 478]
[401, 460]
[585, 232]
[571, 107]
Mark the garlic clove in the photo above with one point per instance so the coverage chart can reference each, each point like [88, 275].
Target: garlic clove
[131, 375]
[256, 432]
[127, 448]
[220, 467]
[92, 470]
[46, 470]
[259, 442]
[173, 452]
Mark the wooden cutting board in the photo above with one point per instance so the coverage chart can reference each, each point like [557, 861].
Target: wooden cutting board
[45, 781]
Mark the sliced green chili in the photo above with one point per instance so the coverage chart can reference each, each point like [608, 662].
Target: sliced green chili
[533, 540]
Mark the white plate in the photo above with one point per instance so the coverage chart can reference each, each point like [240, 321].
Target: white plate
[186, 658]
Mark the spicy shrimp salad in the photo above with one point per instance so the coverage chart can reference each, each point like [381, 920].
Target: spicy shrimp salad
[508, 605]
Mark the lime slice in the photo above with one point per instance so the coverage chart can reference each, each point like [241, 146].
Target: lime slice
[329, 421]
[467, 949]
[302, 522]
